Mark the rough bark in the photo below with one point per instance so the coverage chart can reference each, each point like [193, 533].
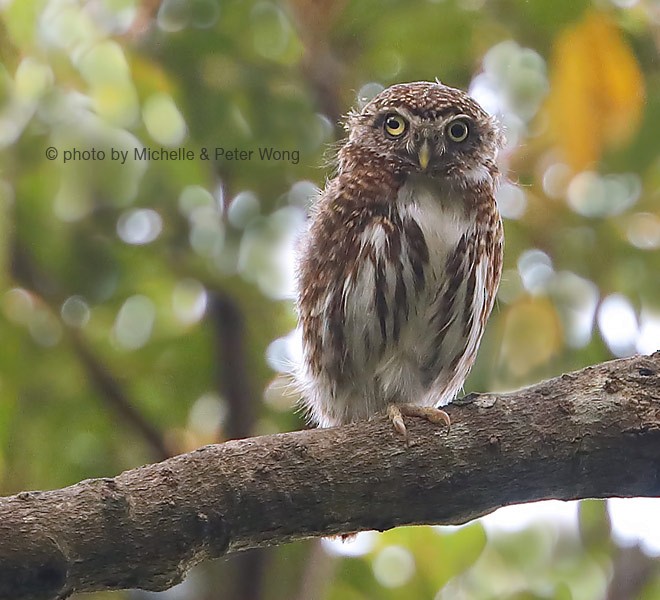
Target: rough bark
[594, 433]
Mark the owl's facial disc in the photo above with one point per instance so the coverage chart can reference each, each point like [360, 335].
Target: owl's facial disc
[437, 144]
[427, 147]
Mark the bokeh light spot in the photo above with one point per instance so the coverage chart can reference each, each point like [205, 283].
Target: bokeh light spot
[173, 15]
[649, 336]
[32, 79]
[17, 305]
[192, 197]
[303, 194]
[163, 120]
[576, 300]
[134, 322]
[394, 566]
[44, 328]
[243, 209]
[189, 300]
[643, 231]
[267, 252]
[358, 545]
[367, 92]
[75, 311]
[284, 353]
[72, 201]
[634, 521]
[207, 236]
[104, 64]
[207, 415]
[139, 226]
[272, 34]
[511, 201]
[592, 195]
[556, 179]
[618, 324]
[535, 268]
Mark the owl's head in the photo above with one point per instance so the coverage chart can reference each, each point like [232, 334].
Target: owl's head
[429, 128]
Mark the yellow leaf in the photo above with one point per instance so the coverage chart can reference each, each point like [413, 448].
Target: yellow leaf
[597, 90]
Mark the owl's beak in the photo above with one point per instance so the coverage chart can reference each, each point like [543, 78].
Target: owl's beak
[424, 155]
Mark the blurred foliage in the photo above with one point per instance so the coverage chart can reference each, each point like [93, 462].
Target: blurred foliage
[596, 73]
[145, 305]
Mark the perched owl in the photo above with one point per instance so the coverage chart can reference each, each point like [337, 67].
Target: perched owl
[400, 266]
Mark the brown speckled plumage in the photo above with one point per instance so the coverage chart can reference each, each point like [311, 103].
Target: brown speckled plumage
[400, 266]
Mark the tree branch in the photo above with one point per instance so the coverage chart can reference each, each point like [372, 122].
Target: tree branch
[565, 438]
[114, 396]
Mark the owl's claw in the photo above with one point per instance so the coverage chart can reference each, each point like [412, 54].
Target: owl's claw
[396, 412]
[396, 416]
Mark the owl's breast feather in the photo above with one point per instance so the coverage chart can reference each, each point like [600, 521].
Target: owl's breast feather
[440, 214]
[402, 261]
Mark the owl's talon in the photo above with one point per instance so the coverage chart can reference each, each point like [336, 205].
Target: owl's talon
[434, 415]
[394, 414]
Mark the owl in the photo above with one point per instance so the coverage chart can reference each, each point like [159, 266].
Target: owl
[400, 264]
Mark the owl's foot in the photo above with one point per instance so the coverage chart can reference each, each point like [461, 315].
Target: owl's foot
[396, 412]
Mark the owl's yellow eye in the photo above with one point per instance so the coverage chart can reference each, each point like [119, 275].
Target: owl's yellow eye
[395, 125]
[458, 130]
